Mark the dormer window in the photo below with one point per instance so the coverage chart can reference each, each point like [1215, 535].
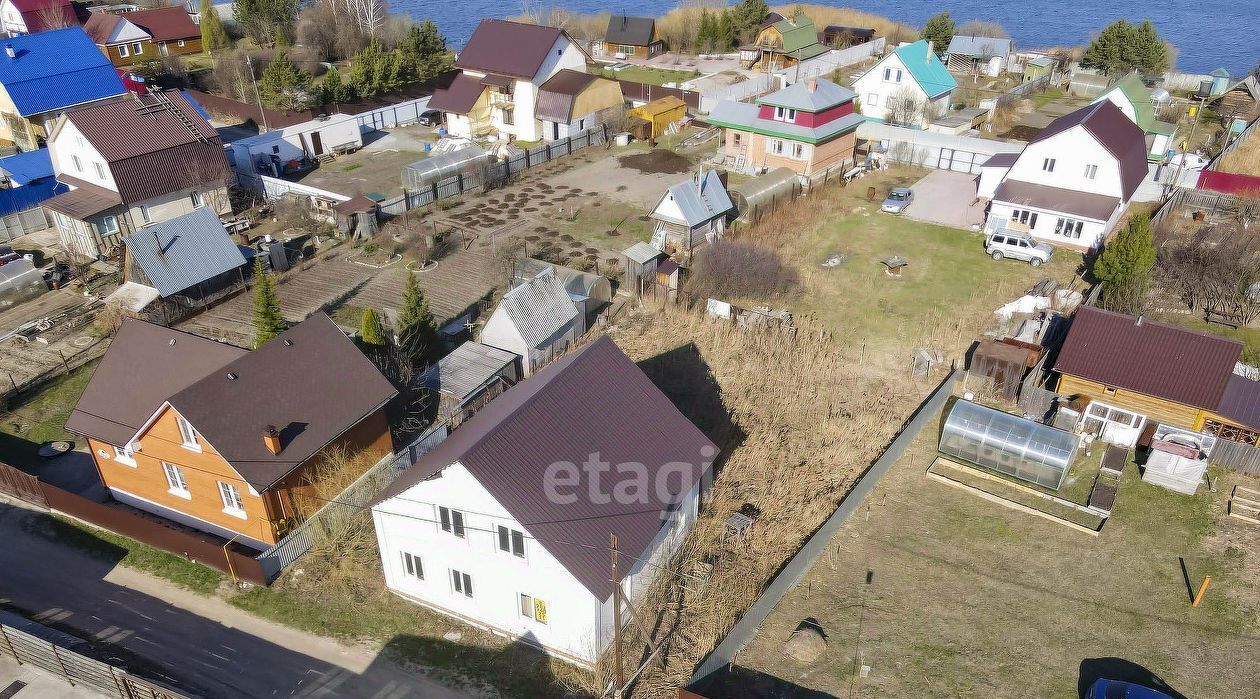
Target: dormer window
[784, 114]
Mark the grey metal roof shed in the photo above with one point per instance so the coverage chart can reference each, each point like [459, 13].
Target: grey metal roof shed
[466, 370]
[183, 252]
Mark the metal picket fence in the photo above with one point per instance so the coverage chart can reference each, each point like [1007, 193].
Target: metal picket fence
[350, 501]
[52, 651]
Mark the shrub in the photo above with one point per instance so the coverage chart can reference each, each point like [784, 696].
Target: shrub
[739, 269]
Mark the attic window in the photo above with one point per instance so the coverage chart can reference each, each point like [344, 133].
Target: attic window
[1109, 390]
[231, 376]
[288, 342]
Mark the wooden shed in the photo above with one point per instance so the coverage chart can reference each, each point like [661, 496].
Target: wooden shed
[660, 113]
[1003, 363]
[641, 261]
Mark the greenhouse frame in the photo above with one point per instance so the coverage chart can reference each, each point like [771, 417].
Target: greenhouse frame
[1008, 444]
[467, 161]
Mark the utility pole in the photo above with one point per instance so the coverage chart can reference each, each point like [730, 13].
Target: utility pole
[1198, 114]
[619, 668]
[249, 64]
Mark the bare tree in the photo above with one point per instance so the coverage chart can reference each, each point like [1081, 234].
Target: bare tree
[904, 107]
[978, 27]
[1218, 275]
[53, 16]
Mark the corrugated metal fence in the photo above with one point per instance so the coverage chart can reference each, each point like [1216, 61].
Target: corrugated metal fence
[353, 499]
[51, 651]
[501, 171]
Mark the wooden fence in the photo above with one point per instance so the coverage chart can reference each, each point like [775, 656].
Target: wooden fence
[54, 652]
[1236, 456]
[1186, 201]
[352, 500]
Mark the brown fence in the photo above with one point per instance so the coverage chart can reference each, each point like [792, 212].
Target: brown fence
[217, 104]
[52, 651]
[198, 548]
[21, 485]
[1236, 456]
[643, 92]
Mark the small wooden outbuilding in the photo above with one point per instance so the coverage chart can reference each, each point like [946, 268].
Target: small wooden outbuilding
[1005, 364]
[641, 262]
[660, 113]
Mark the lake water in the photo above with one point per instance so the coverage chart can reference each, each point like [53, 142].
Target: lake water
[1208, 34]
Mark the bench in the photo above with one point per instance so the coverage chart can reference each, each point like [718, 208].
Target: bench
[1227, 319]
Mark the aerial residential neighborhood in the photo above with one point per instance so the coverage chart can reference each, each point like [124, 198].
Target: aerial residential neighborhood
[682, 350]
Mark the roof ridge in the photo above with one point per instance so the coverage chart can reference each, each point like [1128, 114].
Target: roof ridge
[1164, 324]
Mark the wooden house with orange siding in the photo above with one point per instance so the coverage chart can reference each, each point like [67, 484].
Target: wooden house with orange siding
[225, 440]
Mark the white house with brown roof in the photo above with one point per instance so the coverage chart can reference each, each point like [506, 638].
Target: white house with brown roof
[1072, 182]
[502, 68]
[506, 524]
[131, 163]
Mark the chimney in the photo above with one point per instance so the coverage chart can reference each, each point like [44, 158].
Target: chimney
[8, 50]
[812, 84]
[931, 48]
[271, 440]
[1139, 321]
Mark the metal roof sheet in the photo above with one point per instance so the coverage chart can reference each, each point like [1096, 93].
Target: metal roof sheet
[1241, 401]
[43, 15]
[508, 48]
[55, 70]
[1157, 359]
[1097, 207]
[1136, 94]
[824, 95]
[926, 68]
[641, 253]
[698, 199]
[85, 200]
[979, 46]
[462, 372]
[164, 23]
[594, 400]
[1123, 139]
[459, 97]
[27, 167]
[742, 115]
[539, 309]
[630, 31]
[184, 251]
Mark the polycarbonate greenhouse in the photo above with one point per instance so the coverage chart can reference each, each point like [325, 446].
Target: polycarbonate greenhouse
[1008, 444]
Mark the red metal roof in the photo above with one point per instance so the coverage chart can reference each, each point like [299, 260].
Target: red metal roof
[508, 48]
[1229, 183]
[165, 23]
[1160, 360]
[1113, 130]
[460, 97]
[593, 401]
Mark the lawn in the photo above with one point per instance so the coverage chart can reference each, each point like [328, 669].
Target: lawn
[941, 593]
[40, 416]
[944, 297]
[647, 75]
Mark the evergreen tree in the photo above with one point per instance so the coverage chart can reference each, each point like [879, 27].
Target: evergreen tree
[372, 70]
[417, 330]
[1124, 266]
[1150, 52]
[213, 35]
[333, 91]
[726, 30]
[748, 16]
[424, 52]
[261, 18]
[370, 331]
[940, 31]
[283, 85]
[268, 321]
[706, 34]
[1122, 47]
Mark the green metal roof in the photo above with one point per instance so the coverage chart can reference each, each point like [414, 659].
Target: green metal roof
[1137, 95]
[800, 35]
[926, 68]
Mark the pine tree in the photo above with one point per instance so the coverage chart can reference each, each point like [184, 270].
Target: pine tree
[726, 31]
[706, 35]
[268, 321]
[283, 85]
[1107, 52]
[213, 35]
[940, 31]
[1124, 266]
[749, 14]
[371, 70]
[1150, 52]
[417, 330]
[333, 90]
[370, 331]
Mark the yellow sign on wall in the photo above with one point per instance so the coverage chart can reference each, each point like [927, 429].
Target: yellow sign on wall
[540, 610]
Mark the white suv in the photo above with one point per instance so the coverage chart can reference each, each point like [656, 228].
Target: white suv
[1017, 246]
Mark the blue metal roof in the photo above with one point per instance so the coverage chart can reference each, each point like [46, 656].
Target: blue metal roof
[184, 251]
[29, 196]
[55, 70]
[926, 68]
[200, 110]
[27, 167]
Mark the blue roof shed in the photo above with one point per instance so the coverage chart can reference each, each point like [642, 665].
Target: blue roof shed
[25, 168]
[54, 70]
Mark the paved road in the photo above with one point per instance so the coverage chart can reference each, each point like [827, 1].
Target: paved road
[190, 642]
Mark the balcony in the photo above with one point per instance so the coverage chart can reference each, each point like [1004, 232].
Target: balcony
[501, 100]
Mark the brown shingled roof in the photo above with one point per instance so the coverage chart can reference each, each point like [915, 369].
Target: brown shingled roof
[508, 48]
[1160, 360]
[593, 400]
[149, 149]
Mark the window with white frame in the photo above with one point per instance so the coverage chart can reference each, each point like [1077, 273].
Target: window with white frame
[1025, 217]
[533, 608]
[1091, 171]
[175, 479]
[413, 566]
[774, 146]
[78, 164]
[100, 170]
[800, 151]
[231, 496]
[892, 75]
[873, 99]
[145, 214]
[109, 225]
[180, 43]
[1068, 227]
[1048, 164]
[452, 521]
[198, 200]
[512, 541]
[122, 51]
[187, 434]
[137, 48]
[461, 583]
[784, 114]
[125, 455]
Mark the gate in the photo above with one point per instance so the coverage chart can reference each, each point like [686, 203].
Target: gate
[21, 485]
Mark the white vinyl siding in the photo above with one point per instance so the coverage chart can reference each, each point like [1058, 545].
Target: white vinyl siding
[511, 541]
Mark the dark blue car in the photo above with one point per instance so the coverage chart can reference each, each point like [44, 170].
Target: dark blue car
[1115, 689]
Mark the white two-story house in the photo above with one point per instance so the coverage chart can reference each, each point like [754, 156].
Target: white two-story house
[131, 163]
[912, 76]
[1072, 182]
[507, 524]
[501, 70]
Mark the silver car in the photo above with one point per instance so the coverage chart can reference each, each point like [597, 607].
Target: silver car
[897, 201]
[1017, 246]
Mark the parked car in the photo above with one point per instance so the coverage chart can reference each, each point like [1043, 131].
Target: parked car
[1115, 689]
[1189, 161]
[430, 117]
[897, 201]
[1017, 246]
